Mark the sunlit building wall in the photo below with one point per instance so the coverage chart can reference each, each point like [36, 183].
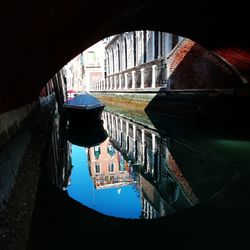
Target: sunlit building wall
[93, 64]
[73, 74]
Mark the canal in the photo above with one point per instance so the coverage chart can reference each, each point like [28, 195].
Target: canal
[126, 182]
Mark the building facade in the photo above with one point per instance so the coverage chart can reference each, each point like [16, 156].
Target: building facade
[85, 68]
[151, 60]
[93, 64]
[73, 73]
[138, 59]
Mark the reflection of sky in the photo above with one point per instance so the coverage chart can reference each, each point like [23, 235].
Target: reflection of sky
[120, 202]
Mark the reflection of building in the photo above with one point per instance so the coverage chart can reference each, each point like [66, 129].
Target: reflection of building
[173, 176]
[59, 155]
[164, 190]
[108, 167]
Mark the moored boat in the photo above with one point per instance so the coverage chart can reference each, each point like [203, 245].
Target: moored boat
[83, 108]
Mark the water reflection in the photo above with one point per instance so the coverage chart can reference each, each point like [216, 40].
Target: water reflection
[99, 184]
[173, 176]
[101, 179]
[138, 173]
[87, 135]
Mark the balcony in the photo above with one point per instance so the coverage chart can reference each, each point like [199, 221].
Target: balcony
[147, 76]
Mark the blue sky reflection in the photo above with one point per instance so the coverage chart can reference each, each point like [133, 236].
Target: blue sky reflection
[117, 201]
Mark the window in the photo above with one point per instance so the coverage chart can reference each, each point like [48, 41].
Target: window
[108, 63]
[97, 152]
[97, 168]
[118, 58]
[111, 151]
[134, 48]
[156, 52]
[125, 54]
[113, 61]
[111, 167]
[91, 57]
[144, 42]
[122, 166]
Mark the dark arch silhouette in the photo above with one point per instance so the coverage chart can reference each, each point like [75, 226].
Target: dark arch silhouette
[39, 38]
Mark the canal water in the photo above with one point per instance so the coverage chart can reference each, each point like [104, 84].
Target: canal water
[136, 172]
[122, 170]
[105, 183]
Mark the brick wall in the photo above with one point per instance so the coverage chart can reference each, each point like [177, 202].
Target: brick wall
[179, 54]
[194, 67]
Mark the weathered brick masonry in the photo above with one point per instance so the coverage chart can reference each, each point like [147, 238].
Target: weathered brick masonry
[194, 67]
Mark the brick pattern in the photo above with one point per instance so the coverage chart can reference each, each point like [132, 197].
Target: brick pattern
[194, 67]
[179, 54]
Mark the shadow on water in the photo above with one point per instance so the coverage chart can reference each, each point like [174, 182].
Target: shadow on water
[204, 96]
[193, 188]
[207, 113]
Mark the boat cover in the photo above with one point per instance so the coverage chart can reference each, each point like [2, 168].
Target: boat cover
[84, 100]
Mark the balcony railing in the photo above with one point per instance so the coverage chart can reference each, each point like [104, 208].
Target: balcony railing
[150, 75]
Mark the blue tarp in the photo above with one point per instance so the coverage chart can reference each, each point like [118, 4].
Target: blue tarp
[84, 99]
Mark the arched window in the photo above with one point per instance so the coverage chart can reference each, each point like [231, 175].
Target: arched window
[108, 63]
[149, 45]
[139, 48]
[144, 37]
[134, 48]
[156, 43]
[118, 57]
[113, 61]
[160, 44]
[125, 53]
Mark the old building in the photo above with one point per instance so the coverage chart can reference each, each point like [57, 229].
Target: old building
[74, 75]
[85, 68]
[152, 60]
[137, 59]
[131, 49]
[92, 64]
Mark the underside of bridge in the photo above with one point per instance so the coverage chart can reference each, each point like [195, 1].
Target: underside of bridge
[39, 37]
